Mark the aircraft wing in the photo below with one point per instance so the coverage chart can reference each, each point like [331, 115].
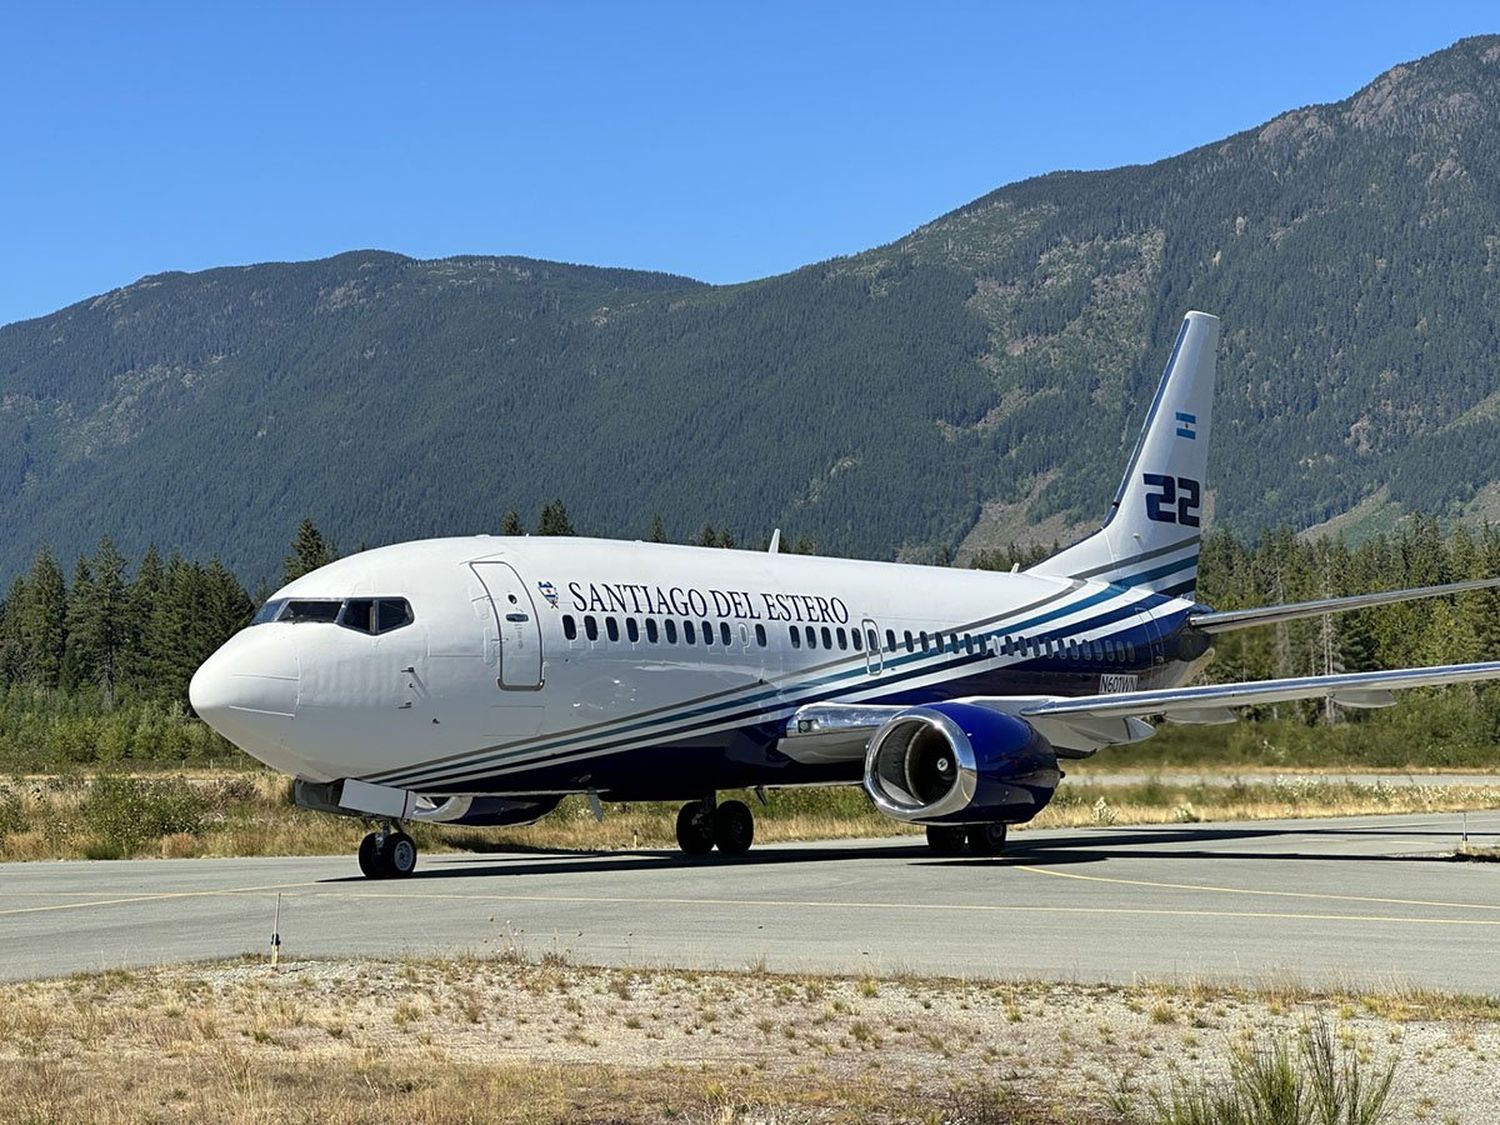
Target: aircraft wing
[837, 731]
[1272, 614]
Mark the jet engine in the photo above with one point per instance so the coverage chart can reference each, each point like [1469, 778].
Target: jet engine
[960, 763]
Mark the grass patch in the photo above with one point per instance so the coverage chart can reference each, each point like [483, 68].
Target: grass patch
[207, 813]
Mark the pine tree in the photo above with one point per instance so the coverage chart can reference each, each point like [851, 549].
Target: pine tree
[98, 619]
[43, 622]
[510, 523]
[309, 551]
[554, 520]
[144, 592]
[658, 532]
[708, 537]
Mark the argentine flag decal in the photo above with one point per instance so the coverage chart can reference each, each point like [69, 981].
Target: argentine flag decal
[1185, 424]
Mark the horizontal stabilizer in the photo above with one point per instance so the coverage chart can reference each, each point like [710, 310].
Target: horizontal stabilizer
[1274, 614]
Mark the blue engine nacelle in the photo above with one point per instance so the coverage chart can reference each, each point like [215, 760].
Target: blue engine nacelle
[960, 763]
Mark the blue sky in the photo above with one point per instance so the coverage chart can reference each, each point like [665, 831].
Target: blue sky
[721, 141]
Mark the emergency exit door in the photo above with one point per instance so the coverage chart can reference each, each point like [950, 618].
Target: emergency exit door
[520, 629]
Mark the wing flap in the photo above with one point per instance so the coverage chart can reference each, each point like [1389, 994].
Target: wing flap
[1359, 688]
[1274, 614]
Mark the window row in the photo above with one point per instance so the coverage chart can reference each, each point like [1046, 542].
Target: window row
[363, 615]
[658, 632]
[1099, 651]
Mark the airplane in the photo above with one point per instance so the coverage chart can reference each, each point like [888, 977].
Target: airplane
[480, 680]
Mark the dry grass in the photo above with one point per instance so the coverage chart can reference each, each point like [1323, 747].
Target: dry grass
[247, 814]
[469, 1039]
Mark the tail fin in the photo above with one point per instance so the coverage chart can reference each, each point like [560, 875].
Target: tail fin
[1150, 539]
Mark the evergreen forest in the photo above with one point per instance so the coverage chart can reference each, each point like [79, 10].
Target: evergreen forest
[94, 666]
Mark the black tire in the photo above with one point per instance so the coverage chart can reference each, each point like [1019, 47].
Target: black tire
[734, 828]
[371, 857]
[695, 828]
[946, 839]
[400, 855]
[986, 839]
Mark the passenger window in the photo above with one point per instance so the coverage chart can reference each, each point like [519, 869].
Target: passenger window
[812, 636]
[632, 630]
[760, 636]
[708, 633]
[651, 633]
[724, 634]
[843, 638]
[590, 628]
[924, 640]
[570, 627]
[689, 634]
[910, 647]
[969, 643]
[359, 615]
[827, 638]
[671, 627]
[856, 639]
[796, 635]
[890, 640]
[612, 627]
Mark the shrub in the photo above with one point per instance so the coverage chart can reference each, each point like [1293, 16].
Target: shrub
[1322, 1084]
[126, 812]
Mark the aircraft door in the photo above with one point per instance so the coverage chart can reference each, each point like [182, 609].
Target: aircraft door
[519, 626]
[874, 655]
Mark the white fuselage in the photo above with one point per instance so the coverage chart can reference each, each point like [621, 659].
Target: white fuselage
[550, 665]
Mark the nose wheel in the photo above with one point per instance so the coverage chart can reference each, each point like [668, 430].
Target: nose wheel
[705, 825]
[387, 855]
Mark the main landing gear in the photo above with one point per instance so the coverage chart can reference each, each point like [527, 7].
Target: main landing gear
[387, 854]
[977, 839]
[705, 825]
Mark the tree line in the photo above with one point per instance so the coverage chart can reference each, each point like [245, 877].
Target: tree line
[118, 644]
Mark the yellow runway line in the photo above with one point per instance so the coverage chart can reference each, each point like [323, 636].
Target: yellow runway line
[1255, 891]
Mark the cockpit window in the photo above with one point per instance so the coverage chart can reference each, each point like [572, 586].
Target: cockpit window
[359, 615]
[394, 613]
[311, 611]
[363, 615]
[268, 612]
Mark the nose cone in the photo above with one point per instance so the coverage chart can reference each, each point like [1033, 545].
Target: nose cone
[247, 691]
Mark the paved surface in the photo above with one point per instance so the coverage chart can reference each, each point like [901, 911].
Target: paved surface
[1359, 900]
[1225, 780]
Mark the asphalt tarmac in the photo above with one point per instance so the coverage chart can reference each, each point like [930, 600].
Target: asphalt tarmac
[1359, 901]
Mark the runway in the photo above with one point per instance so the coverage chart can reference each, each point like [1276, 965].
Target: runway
[1360, 900]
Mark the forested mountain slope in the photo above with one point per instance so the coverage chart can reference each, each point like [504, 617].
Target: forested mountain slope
[987, 371]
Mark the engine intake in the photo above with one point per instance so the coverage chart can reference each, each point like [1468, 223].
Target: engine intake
[956, 763]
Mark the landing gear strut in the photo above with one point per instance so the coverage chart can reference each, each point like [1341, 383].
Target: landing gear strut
[387, 854]
[704, 825]
[978, 839]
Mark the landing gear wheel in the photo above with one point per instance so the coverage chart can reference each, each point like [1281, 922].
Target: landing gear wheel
[400, 855]
[371, 855]
[986, 839]
[386, 855]
[695, 828]
[734, 827]
[946, 840]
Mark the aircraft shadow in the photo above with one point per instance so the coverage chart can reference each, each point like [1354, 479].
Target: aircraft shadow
[1084, 848]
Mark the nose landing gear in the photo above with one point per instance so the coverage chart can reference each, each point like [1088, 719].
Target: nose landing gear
[704, 825]
[387, 854]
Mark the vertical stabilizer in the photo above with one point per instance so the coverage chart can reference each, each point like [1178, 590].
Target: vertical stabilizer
[1151, 537]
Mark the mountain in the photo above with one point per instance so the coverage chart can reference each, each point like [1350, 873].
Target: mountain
[978, 381]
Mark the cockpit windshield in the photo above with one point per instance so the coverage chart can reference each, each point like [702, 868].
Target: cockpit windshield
[363, 615]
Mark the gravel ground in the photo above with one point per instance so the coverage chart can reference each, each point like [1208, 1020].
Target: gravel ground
[1079, 1052]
